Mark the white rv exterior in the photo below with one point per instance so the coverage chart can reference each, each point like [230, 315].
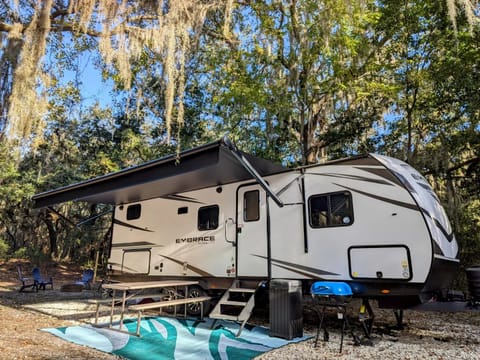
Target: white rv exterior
[216, 214]
[372, 221]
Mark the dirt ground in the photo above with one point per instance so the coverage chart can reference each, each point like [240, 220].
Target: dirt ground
[22, 316]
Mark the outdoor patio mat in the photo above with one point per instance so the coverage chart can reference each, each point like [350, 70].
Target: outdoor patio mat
[170, 338]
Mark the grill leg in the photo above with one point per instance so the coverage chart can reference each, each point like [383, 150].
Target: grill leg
[346, 326]
[344, 321]
[320, 326]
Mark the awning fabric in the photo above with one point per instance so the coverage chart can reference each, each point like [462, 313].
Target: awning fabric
[209, 165]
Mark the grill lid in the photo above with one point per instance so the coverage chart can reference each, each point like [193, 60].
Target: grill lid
[331, 288]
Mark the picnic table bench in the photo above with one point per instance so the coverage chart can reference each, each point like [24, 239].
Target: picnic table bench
[107, 302]
[132, 290]
[139, 308]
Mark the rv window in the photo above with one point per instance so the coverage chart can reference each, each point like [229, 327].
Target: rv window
[251, 205]
[330, 210]
[134, 211]
[182, 210]
[208, 217]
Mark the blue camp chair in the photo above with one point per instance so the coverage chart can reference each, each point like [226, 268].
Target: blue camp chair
[26, 282]
[39, 281]
[86, 280]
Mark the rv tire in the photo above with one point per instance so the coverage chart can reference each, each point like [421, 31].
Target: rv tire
[194, 309]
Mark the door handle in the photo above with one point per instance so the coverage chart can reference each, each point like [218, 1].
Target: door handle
[225, 229]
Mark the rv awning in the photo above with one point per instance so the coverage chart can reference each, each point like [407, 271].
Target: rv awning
[209, 165]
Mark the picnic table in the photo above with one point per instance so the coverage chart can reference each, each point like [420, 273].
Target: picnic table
[131, 290]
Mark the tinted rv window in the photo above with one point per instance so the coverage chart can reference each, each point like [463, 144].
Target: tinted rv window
[208, 217]
[134, 212]
[251, 205]
[330, 210]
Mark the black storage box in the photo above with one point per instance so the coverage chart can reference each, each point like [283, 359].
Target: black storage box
[286, 315]
[473, 279]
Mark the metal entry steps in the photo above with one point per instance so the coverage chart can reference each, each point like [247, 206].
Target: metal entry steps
[236, 304]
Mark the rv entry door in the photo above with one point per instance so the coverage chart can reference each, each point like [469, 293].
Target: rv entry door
[251, 231]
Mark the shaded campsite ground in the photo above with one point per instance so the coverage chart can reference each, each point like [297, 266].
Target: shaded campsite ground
[427, 335]
[21, 317]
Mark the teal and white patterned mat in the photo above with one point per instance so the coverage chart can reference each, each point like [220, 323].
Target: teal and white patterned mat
[170, 338]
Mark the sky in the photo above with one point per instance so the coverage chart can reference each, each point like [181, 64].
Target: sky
[92, 87]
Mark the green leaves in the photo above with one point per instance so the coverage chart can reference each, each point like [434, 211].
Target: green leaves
[296, 81]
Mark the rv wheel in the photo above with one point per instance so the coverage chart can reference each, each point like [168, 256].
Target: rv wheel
[194, 309]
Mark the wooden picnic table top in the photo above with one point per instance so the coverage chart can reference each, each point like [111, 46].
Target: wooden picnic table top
[124, 286]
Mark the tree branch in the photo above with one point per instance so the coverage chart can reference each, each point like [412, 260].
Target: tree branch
[58, 26]
[458, 166]
[464, 163]
[4, 27]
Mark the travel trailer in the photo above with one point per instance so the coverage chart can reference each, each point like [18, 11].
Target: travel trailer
[216, 214]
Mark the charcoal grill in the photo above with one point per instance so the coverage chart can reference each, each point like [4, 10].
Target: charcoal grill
[331, 293]
[337, 295]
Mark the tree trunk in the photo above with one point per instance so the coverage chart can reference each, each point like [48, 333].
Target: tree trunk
[52, 236]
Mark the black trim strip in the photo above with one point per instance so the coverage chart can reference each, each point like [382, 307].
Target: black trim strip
[189, 267]
[121, 223]
[405, 182]
[138, 243]
[297, 266]
[296, 271]
[381, 198]
[137, 250]
[439, 225]
[365, 159]
[384, 173]
[182, 198]
[354, 177]
[437, 250]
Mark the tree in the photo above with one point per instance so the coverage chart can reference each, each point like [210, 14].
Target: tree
[15, 189]
[301, 86]
[296, 81]
[123, 31]
[434, 121]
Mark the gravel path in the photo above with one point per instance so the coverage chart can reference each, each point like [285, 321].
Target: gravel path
[442, 336]
[432, 335]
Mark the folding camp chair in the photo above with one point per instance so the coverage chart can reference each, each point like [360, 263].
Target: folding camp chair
[86, 280]
[40, 282]
[26, 282]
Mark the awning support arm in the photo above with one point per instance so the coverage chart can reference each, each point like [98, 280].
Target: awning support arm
[94, 217]
[249, 167]
[63, 217]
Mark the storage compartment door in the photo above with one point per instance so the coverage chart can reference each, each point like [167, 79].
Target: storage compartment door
[136, 261]
[380, 262]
